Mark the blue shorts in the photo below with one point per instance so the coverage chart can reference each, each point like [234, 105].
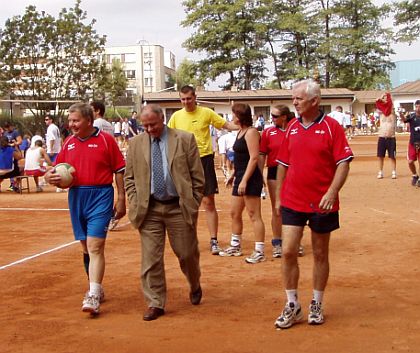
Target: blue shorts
[91, 209]
[318, 222]
[230, 155]
[53, 156]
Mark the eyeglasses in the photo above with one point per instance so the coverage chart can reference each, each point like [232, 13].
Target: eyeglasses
[275, 116]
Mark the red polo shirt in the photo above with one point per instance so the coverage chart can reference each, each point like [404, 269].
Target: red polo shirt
[311, 154]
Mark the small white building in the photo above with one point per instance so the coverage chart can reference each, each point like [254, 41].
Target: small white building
[148, 67]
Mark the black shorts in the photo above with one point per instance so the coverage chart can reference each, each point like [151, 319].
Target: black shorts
[387, 144]
[318, 222]
[210, 186]
[272, 173]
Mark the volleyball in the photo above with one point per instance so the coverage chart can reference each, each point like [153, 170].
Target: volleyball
[65, 171]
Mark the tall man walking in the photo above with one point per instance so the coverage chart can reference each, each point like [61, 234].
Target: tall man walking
[313, 166]
[197, 120]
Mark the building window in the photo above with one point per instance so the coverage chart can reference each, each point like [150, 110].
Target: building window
[148, 81]
[264, 111]
[130, 74]
[325, 108]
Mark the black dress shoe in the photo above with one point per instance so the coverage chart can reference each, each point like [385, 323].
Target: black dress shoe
[153, 313]
[195, 297]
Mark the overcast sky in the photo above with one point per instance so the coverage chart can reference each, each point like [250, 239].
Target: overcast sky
[125, 22]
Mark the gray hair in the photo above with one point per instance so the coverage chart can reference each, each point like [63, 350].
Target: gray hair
[152, 108]
[84, 109]
[312, 88]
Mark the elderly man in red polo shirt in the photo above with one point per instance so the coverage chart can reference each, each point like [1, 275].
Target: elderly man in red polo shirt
[313, 166]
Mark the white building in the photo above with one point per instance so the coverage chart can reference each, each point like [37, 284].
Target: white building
[147, 67]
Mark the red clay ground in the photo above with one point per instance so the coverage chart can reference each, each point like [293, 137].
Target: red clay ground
[371, 303]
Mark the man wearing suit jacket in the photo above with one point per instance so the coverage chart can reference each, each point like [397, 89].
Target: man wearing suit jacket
[164, 181]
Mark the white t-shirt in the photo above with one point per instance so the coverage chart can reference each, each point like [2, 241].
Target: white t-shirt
[53, 134]
[339, 116]
[33, 158]
[103, 125]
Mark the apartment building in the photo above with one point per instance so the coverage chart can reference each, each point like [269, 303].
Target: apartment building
[148, 67]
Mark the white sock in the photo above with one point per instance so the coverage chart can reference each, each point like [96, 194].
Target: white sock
[291, 295]
[235, 240]
[259, 246]
[318, 295]
[94, 288]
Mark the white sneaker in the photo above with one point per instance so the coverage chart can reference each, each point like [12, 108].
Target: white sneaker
[277, 251]
[91, 304]
[231, 251]
[255, 257]
[394, 174]
[380, 175]
[315, 316]
[291, 314]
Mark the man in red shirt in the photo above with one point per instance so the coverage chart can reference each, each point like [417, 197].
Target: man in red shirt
[96, 159]
[313, 166]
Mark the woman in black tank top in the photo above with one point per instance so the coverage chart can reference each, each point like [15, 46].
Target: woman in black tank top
[247, 182]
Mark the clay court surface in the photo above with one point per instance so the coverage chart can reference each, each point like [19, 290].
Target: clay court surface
[371, 304]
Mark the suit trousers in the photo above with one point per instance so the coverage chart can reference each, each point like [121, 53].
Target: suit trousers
[184, 243]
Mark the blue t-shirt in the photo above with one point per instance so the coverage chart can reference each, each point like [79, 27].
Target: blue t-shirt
[6, 157]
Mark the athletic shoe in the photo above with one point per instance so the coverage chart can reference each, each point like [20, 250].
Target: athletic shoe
[39, 189]
[301, 251]
[277, 251]
[255, 257]
[91, 304]
[101, 295]
[263, 194]
[315, 316]
[113, 223]
[380, 175]
[292, 314]
[214, 247]
[414, 180]
[231, 251]
[394, 174]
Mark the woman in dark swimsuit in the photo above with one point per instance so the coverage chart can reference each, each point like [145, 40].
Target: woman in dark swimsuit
[247, 185]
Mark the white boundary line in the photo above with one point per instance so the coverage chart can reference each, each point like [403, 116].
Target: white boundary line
[37, 255]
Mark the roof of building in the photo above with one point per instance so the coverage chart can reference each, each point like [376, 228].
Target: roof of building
[368, 96]
[246, 94]
[407, 88]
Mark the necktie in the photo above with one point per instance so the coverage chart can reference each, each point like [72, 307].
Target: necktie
[157, 165]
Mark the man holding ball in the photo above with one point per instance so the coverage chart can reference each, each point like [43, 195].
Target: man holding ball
[96, 158]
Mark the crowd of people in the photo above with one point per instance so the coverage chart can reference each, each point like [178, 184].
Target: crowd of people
[167, 172]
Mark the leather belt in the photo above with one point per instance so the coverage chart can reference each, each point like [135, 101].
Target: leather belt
[165, 202]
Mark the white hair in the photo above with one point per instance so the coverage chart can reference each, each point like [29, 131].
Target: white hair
[312, 88]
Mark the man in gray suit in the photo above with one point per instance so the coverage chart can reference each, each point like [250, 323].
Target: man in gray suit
[164, 182]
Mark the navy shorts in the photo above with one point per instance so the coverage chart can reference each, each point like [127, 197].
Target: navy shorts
[387, 144]
[210, 186]
[91, 209]
[318, 222]
[272, 173]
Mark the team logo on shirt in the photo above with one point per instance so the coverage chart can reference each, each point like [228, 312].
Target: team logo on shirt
[320, 132]
[272, 133]
[294, 131]
[71, 146]
[93, 145]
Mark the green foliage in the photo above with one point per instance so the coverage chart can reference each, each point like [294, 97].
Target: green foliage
[340, 43]
[117, 112]
[407, 17]
[47, 58]
[187, 73]
[115, 82]
[225, 31]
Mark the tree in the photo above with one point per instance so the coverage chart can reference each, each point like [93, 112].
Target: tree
[43, 58]
[116, 83]
[227, 36]
[364, 46]
[408, 17]
[187, 73]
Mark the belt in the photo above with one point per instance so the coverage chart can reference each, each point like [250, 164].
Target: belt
[165, 202]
